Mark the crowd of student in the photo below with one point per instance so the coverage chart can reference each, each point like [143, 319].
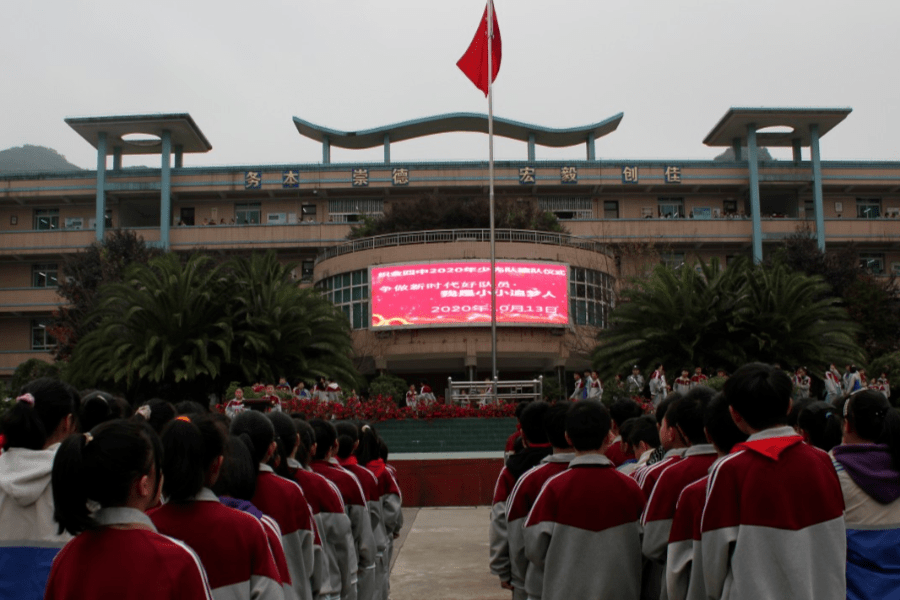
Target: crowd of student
[176, 502]
[728, 495]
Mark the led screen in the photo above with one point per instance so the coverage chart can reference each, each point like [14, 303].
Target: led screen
[459, 293]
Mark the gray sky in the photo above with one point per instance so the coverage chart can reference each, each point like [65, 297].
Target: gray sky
[244, 69]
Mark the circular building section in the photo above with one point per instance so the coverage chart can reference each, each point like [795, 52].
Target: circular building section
[419, 303]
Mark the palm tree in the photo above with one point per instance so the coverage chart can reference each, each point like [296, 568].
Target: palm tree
[714, 317]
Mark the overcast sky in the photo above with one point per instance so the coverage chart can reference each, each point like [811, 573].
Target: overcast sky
[244, 69]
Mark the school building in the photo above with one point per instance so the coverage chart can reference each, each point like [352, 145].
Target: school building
[618, 213]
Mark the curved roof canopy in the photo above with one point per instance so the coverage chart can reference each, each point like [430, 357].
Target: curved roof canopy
[736, 121]
[182, 128]
[456, 122]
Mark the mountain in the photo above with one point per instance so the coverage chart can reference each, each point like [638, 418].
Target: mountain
[33, 158]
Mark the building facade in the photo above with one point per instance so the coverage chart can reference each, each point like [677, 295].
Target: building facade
[619, 214]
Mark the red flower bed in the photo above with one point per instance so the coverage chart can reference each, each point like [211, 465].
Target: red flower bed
[385, 409]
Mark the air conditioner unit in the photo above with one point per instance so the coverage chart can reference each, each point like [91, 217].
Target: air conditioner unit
[75, 223]
[276, 218]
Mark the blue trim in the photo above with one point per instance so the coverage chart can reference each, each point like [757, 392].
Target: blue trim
[755, 209]
[817, 186]
[100, 200]
[165, 193]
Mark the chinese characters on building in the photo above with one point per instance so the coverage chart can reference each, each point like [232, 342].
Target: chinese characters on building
[290, 179]
[568, 175]
[360, 177]
[629, 174]
[672, 174]
[527, 175]
[252, 180]
[400, 176]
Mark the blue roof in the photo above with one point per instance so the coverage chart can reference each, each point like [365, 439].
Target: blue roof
[457, 122]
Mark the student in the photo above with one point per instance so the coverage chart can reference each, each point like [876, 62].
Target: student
[235, 488]
[819, 424]
[673, 444]
[643, 438]
[98, 407]
[684, 575]
[283, 500]
[685, 417]
[411, 396]
[621, 411]
[578, 392]
[527, 579]
[42, 416]
[682, 383]
[773, 523]
[368, 455]
[231, 544]
[117, 552]
[327, 508]
[325, 464]
[348, 440]
[536, 448]
[585, 551]
[658, 390]
[595, 390]
[868, 466]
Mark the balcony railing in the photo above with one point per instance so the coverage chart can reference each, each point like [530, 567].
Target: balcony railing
[444, 236]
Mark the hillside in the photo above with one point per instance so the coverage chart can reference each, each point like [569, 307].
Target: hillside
[33, 158]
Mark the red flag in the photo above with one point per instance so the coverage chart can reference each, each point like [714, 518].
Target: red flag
[474, 63]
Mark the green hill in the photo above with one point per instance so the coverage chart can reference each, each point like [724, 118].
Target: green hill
[33, 158]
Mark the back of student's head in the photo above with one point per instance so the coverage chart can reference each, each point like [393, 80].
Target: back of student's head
[643, 429]
[96, 407]
[348, 436]
[367, 451]
[532, 420]
[190, 407]
[686, 413]
[664, 405]
[307, 440]
[259, 431]
[326, 436]
[723, 433]
[37, 413]
[624, 409]
[625, 431]
[760, 394]
[820, 423]
[286, 437]
[519, 408]
[237, 477]
[587, 425]
[870, 416]
[191, 444]
[555, 424]
[101, 466]
[157, 412]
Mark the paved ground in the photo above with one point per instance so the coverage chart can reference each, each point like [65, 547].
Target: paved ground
[442, 553]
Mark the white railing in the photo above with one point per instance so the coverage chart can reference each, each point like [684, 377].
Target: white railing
[493, 392]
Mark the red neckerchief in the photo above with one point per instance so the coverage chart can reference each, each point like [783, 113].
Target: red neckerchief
[377, 466]
[350, 460]
[530, 445]
[770, 447]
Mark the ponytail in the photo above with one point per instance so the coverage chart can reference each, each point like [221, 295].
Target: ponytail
[190, 446]
[307, 439]
[101, 466]
[259, 431]
[347, 436]
[237, 477]
[38, 411]
[286, 436]
[890, 435]
[367, 451]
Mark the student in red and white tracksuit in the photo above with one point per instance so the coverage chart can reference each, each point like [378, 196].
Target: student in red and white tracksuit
[674, 445]
[526, 578]
[685, 416]
[283, 500]
[536, 448]
[585, 551]
[684, 573]
[116, 552]
[773, 523]
[352, 493]
[232, 545]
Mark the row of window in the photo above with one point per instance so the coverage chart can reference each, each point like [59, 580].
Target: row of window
[350, 293]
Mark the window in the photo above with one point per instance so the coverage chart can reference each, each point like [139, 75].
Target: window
[46, 218]
[247, 214]
[308, 213]
[567, 207]
[347, 210]
[873, 262]
[670, 208]
[350, 293]
[610, 209]
[868, 208]
[673, 260]
[44, 275]
[590, 297]
[306, 269]
[809, 207]
[40, 337]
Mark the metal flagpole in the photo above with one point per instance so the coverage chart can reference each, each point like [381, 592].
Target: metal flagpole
[490, 69]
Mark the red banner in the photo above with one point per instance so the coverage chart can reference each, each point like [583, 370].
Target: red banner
[459, 293]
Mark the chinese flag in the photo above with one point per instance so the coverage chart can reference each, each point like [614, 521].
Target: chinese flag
[474, 63]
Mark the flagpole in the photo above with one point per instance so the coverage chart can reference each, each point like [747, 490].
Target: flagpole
[490, 70]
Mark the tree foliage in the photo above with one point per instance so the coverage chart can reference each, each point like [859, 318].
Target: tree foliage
[440, 212]
[31, 369]
[714, 317]
[184, 329]
[83, 274]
